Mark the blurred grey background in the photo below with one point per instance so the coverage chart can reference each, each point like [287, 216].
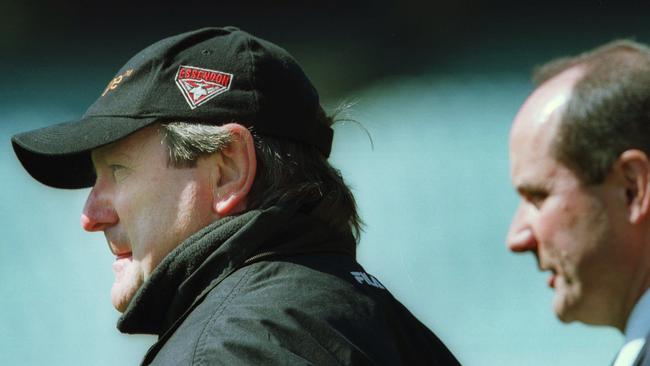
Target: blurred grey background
[436, 85]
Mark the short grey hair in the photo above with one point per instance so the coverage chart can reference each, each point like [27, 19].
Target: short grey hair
[186, 142]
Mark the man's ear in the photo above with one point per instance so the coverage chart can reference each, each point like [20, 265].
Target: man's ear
[635, 167]
[237, 167]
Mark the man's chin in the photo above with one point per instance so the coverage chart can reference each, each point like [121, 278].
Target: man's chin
[564, 317]
[560, 307]
[566, 309]
[121, 297]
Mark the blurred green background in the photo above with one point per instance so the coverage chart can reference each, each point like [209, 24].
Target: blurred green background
[436, 85]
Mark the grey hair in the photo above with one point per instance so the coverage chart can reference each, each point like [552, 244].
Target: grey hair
[186, 142]
[288, 171]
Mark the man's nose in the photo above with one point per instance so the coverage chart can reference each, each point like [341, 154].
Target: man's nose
[520, 236]
[98, 213]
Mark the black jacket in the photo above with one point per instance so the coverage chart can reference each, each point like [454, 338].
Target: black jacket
[274, 287]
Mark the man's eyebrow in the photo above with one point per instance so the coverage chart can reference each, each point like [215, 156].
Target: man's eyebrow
[531, 189]
[108, 155]
[121, 156]
[111, 153]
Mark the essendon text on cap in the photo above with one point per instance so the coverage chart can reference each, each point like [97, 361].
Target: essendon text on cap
[199, 85]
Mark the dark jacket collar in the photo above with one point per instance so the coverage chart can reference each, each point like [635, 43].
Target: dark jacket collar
[216, 251]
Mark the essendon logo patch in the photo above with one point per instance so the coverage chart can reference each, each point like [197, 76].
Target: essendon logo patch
[200, 85]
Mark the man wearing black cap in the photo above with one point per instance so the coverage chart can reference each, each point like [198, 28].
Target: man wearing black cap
[234, 238]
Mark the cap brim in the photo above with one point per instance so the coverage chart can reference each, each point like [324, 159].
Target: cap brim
[59, 155]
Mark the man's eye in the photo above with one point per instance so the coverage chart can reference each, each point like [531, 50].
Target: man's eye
[537, 198]
[118, 171]
[115, 167]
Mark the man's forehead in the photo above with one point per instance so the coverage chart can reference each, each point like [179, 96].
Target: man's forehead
[530, 168]
[536, 124]
[531, 144]
[532, 174]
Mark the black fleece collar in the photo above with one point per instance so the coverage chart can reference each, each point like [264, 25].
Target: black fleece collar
[215, 252]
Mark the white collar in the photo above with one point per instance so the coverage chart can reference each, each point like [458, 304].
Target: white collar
[636, 329]
[638, 324]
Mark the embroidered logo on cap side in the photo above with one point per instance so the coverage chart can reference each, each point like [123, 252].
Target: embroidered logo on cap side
[200, 85]
[116, 81]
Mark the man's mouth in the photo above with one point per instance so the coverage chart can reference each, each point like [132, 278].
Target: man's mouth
[123, 255]
[552, 278]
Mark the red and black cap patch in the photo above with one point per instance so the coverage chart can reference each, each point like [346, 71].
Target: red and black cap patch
[199, 85]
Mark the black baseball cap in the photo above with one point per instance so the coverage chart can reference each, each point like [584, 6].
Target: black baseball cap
[211, 76]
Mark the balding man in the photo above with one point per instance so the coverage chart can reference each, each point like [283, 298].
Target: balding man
[579, 154]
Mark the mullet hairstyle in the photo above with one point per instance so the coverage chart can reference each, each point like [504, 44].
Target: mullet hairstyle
[608, 111]
[288, 171]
